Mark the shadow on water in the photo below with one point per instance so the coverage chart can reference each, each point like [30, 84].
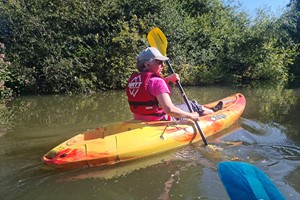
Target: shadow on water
[267, 136]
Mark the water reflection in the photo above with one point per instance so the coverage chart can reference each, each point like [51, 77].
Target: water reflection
[5, 118]
[272, 104]
[265, 104]
[267, 136]
[64, 109]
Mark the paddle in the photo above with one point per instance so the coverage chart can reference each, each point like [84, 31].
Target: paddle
[157, 39]
[245, 181]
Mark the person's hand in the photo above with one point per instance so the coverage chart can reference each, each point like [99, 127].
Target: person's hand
[194, 116]
[173, 78]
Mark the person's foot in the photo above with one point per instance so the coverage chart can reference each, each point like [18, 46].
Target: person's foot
[218, 107]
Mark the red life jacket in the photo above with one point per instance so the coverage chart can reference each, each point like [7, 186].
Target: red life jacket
[139, 98]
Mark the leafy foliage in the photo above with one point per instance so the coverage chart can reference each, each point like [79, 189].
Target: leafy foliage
[84, 46]
[291, 27]
[5, 74]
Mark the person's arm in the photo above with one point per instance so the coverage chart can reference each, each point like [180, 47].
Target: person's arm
[170, 109]
[172, 78]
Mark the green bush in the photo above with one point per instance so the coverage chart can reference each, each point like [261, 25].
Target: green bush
[5, 74]
[84, 46]
[72, 45]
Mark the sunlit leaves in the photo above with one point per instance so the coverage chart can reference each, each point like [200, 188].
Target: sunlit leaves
[85, 46]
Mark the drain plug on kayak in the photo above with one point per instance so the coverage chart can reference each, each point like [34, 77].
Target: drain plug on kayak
[63, 155]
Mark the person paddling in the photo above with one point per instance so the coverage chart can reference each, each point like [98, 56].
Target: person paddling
[149, 95]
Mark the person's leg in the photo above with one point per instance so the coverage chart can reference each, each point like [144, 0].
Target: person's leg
[201, 109]
[195, 106]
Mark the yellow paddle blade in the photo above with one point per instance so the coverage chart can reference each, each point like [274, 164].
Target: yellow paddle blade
[157, 39]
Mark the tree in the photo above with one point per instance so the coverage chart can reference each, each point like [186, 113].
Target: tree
[291, 26]
[84, 46]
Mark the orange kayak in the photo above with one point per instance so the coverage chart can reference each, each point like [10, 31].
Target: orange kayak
[129, 140]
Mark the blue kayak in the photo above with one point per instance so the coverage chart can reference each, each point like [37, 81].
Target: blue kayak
[244, 181]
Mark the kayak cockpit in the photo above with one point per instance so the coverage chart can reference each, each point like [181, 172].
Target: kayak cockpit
[121, 127]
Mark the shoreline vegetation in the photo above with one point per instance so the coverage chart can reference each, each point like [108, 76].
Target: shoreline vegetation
[56, 47]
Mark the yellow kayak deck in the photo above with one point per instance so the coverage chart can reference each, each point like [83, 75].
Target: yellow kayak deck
[123, 141]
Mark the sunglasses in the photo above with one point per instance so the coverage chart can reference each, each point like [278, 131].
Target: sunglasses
[159, 62]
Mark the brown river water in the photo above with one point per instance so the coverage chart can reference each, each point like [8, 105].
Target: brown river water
[267, 136]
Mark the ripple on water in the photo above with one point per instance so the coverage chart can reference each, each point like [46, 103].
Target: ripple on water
[268, 147]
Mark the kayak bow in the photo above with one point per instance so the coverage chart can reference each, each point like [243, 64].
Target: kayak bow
[245, 181]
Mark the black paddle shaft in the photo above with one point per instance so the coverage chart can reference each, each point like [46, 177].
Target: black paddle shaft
[187, 103]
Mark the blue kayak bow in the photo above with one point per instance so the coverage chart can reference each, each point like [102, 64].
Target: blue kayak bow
[245, 181]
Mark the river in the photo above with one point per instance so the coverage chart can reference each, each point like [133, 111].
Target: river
[267, 136]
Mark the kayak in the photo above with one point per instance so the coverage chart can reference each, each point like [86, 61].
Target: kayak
[130, 140]
[245, 181]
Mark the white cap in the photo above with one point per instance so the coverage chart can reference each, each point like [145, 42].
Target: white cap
[151, 53]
